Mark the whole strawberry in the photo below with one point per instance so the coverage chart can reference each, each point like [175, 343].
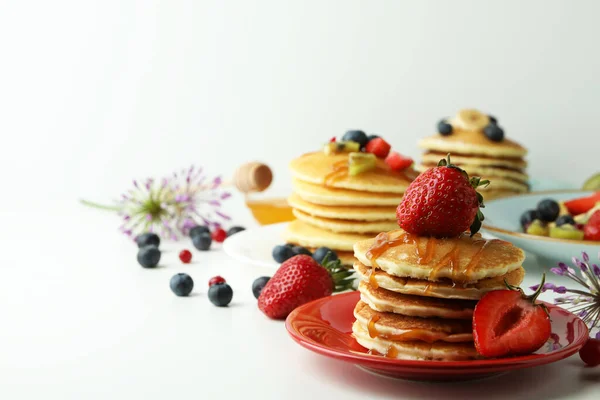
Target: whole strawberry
[299, 280]
[442, 202]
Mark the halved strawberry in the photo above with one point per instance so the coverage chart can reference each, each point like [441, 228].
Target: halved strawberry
[592, 228]
[379, 147]
[398, 162]
[582, 204]
[507, 322]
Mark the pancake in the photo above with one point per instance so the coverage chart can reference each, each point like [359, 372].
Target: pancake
[306, 235]
[383, 300]
[460, 159]
[472, 143]
[485, 172]
[361, 213]
[319, 168]
[402, 328]
[444, 289]
[341, 225]
[465, 259]
[437, 351]
[317, 194]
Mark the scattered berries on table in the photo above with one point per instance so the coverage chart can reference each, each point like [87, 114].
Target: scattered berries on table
[321, 252]
[398, 162]
[379, 147]
[507, 322]
[301, 250]
[259, 284]
[235, 229]
[528, 217]
[282, 253]
[147, 239]
[356, 136]
[299, 280]
[591, 230]
[219, 235]
[220, 294]
[215, 280]
[441, 202]
[565, 220]
[198, 229]
[494, 133]
[444, 128]
[590, 352]
[202, 241]
[185, 256]
[548, 210]
[148, 256]
[182, 284]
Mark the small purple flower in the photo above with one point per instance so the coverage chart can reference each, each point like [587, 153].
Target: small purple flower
[598, 335]
[563, 266]
[535, 287]
[560, 289]
[585, 256]
[557, 271]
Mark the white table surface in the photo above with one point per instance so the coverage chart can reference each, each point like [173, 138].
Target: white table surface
[82, 320]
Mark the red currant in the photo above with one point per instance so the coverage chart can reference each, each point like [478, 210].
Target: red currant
[216, 280]
[590, 352]
[219, 235]
[185, 256]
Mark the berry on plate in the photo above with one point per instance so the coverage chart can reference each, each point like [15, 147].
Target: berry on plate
[202, 241]
[564, 220]
[301, 250]
[182, 284]
[220, 294]
[494, 133]
[444, 128]
[216, 280]
[528, 217]
[442, 202]
[398, 162]
[282, 253]
[185, 256]
[591, 230]
[258, 285]
[299, 280]
[356, 136]
[219, 235]
[507, 322]
[582, 204]
[379, 147]
[321, 252]
[548, 210]
[148, 256]
[148, 239]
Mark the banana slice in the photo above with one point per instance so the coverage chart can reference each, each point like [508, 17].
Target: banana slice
[471, 120]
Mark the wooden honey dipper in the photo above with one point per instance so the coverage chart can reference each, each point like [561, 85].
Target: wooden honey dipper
[252, 177]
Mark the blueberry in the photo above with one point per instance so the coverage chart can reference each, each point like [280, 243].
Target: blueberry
[494, 133]
[528, 217]
[182, 284]
[220, 294]
[565, 220]
[235, 229]
[548, 210]
[444, 128]
[356, 136]
[493, 120]
[321, 252]
[147, 239]
[301, 250]
[259, 284]
[202, 241]
[282, 253]
[198, 229]
[148, 256]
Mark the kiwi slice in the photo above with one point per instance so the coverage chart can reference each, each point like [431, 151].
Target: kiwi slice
[341, 147]
[361, 162]
[537, 228]
[593, 183]
[566, 232]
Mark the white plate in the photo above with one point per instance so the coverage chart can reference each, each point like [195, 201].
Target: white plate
[255, 246]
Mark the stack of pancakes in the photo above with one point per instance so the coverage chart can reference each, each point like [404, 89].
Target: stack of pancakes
[418, 293]
[336, 210]
[501, 162]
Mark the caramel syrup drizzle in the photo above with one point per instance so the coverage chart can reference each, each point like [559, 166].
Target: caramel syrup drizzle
[415, 334]
[340, 170]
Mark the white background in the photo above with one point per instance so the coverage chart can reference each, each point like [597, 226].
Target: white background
[95, 93]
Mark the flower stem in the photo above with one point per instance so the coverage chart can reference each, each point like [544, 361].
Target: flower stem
[100, 206]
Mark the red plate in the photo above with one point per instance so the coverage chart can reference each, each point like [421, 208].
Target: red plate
[325, 327]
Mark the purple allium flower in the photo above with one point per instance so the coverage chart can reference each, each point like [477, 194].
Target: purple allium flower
[598, 335]
[557, 271]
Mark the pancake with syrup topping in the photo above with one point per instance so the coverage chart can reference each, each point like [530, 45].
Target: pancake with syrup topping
[342, 225]
[497, 182]
[357, 213]
[379, 299]
[463, 260]
[416, 350]
[332, 171]
[328, 196]
[467, 143]
[518, 164]
[306, 235]
[444, 289]
[490, 173]
[402, 328]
